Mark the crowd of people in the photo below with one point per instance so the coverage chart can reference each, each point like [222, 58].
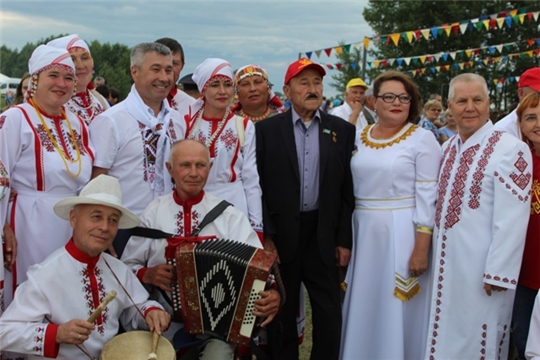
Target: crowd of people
[412, 229]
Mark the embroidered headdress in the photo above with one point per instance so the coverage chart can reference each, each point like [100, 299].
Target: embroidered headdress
[45, 57]
[70, 42]
[204, 73]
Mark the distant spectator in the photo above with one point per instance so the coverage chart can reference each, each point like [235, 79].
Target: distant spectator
[114, 96]
[103, 90]
[189, 86]
[432, 109]
[439, 122]
[10, 95]
[99, 80]
[450, 129]
[21, 89]
[495, 115]
[369, 107]
[437, 97]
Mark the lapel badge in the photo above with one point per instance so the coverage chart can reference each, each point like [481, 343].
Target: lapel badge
[326, 131]
[334, 136]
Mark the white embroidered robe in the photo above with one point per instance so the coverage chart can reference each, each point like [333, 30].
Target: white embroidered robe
[39, 175]
[171, 215]
[234, 176]
[395, 186]
[134, 146]
[70, 285]
[532, 350]
[4, 196]
[87, 105]
[483, 208]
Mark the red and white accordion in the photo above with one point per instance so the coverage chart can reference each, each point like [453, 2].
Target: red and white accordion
[218, 283]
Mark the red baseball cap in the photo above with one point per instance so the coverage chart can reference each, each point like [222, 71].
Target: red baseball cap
[301, 64]
[530, 78]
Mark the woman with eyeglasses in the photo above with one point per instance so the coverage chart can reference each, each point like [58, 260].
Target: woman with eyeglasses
[395, 172]
[432, 110]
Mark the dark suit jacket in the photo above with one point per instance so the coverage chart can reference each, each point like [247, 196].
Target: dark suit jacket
[278, 170]
[368, 116]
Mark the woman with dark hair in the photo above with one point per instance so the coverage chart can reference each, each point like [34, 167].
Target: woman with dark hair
[395, 174]
[21, 89]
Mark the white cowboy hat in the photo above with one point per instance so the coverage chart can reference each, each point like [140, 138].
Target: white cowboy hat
[103, 190]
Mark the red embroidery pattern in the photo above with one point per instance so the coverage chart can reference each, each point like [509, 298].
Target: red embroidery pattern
[229, 139]
[443, 182]
[514, 191]
[172, 132]
[2, 121]
[47, 144]
[498, 278]
[256, 227]
[453, 212]
[87, 289]
[39, 339]
[440, 279]
[502, 340]
[179, 217]
[478, 176]
[483, 342]
[521, 180]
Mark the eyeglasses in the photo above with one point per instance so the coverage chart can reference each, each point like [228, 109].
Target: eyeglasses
[389, 98]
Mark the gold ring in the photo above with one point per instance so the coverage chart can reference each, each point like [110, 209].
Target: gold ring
[79, 338]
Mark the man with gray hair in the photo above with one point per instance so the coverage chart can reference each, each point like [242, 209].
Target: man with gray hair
[134, 137]
[483, 206]
[369, 107]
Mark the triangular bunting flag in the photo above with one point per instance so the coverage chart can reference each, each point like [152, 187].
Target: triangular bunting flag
[445, 56]
[318, 53]
[425, 33]
[468, 52]
[433, 70]
[452, 55]
[346, 66]
[508, 21]
[517, 78]
[338, 49]
[493, 24]
[369, 64]
[366, 42]
[461, 66]
[415, 60]
[530, 53]
[391, 62]
[500, 22]
[386, 40]
[423, 70]
[440, 31]
[407, 60]
[499, 47]
[486, 24]
[508, 47]
[328, 51]
[417, 35]
[455, 29]
[530, 42]
[535, 15]
[329, 66]
[410, 36]
[447, 30]
[495, 81]
[485, 61]
[501, 80]
[384, 63]
[463, 28]
[338, 66]
[354, 66]
[422, 59]
[529, 16]
[511, 78]
[479, 25]
[399, 62]
[513, 12]
[357, 46]
[438, 68]
[308, 54]
[376, 63]
[437, 57]
[491, 49]
[521, 18]
[347, 48]
[497, 59]
[395, 38]
[471, 63]
[434, 32]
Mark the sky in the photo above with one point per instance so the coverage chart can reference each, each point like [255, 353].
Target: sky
[268, 33]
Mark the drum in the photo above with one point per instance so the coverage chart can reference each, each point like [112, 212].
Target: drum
[136, 345]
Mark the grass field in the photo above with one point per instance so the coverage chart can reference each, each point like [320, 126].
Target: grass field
[305, 348]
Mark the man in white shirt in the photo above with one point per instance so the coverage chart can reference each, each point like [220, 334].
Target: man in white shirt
[178, 99]
[481, 218]
[351, 110]
[135, 136]
[529, 81]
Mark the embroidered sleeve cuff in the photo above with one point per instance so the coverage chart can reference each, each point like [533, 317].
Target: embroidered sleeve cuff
[140, 274]
[498, 281]
[51, 348]
[150, 309]
[424, 229]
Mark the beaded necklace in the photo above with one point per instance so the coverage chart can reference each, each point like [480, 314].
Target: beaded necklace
[197, 126]
[256, 118]
[64, 156]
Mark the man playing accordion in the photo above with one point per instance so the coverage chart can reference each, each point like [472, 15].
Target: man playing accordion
[179, 213]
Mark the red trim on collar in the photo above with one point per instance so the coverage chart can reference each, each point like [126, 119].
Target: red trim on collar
[173, 92]
[231, 114]
[189, 202]
[78, 255]
[53, 117]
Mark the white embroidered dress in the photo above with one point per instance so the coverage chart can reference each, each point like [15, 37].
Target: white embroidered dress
[70, 285]
[134, 146]
[4, 196]
[395, 184]
[483, 208]
[39, 174]
[87, 105]
[169, 214]
[234, 175]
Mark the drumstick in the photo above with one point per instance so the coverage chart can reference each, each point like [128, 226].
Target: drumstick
[102, 306]
[153, 354]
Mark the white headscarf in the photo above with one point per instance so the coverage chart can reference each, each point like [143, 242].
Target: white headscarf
[70, 42]
[202, 75]
[45, 56]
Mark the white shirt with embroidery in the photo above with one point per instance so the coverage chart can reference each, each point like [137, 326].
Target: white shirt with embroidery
[482, 211]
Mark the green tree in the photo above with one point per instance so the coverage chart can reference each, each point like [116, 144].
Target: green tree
[390, 17]
[349, 58]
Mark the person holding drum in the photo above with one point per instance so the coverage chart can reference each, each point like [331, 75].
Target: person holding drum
[179, 213]
[47, 316]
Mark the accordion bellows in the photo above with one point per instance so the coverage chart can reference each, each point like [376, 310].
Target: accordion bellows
[219, 281]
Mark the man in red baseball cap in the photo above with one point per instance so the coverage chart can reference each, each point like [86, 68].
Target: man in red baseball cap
[303, 158]
[529, 81]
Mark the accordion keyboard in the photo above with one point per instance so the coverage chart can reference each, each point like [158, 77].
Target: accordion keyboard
[249, 319]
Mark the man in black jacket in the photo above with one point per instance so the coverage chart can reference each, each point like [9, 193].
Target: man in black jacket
[303, 159]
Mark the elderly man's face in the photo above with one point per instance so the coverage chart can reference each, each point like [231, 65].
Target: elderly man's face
[305, 91]
[355, 94]
[189, 168]
[470, 107]
[94, 227]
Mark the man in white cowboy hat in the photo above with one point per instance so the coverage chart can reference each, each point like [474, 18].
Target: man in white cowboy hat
[47, 316]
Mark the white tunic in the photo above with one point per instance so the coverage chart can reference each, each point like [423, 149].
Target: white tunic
[532, 350]
[234, 176]
[181, 102]
[4, 196]
[395, 186]
[38, 173]
[134, 146]
[70, 285]
[483, 208]
[510, 124]
[87, 105]
[171, 215]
